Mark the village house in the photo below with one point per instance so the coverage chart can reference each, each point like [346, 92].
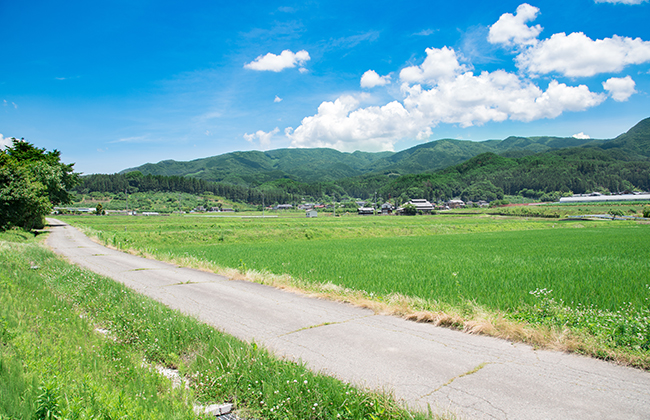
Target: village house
[387, 208]
[283, 207]
[455, 204]
[365, 211]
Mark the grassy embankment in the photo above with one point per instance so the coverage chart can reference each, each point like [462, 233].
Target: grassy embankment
[75, 345]
[576, 286]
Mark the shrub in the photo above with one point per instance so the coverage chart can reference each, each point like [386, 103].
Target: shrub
[410, 210]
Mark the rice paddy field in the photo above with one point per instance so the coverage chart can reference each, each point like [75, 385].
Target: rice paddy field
[592, 276]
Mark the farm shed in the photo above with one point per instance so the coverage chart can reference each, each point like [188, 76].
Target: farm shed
[311, 213]
[422, 206]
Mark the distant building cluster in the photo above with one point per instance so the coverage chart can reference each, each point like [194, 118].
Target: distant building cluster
[596, 197]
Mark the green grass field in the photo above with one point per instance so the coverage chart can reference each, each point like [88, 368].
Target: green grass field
[493, 261]
[76, 345]
[516, 266]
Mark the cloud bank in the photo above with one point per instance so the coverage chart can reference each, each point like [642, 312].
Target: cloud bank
[440, 90]
[445, 89]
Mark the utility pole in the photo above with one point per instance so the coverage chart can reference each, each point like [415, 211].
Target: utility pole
[262, 205]
[127, 200]
[179, 203]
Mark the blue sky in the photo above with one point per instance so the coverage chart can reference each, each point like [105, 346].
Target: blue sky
[116, 84]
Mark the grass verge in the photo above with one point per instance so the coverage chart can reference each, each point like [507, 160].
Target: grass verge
[77, 345]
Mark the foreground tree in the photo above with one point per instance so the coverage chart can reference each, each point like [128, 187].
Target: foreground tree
[32, 180]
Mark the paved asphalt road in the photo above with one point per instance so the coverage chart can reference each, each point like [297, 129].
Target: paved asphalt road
[472, 376]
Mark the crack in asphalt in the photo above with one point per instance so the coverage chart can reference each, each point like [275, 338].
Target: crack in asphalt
[485, 400]
[469, 372]
[323, 324]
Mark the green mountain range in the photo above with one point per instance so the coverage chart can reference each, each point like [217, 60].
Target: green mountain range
[326, 165]
[538, 167]
[439, 168]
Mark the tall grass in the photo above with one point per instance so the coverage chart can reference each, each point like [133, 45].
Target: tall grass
[54, 362]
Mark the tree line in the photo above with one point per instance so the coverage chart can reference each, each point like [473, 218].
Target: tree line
[132, 182]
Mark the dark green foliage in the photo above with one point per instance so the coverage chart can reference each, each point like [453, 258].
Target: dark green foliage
[119, 183]
[47, 406]
[615, 212]
[23, 200]
[410, 210]
[99, 210]
[482, 190]
[635, 143]
[32, 180]
[576, 170]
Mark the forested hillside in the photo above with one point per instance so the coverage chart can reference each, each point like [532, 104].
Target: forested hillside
[254, 168]
[133, 182]
[538, 167]
[576, 170]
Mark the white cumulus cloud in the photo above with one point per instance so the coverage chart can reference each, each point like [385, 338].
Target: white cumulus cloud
[441, 63]
[581, 135]
[476, 99]
[577, 55]
[263, 138]
[277, 63]
[453, 96]
[277, 99]
[342, 125]
[620, 88]
[371, 79]
[512, 29]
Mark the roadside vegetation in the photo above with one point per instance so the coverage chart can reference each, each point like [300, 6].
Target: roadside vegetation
[570, 285]
[76, 345]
